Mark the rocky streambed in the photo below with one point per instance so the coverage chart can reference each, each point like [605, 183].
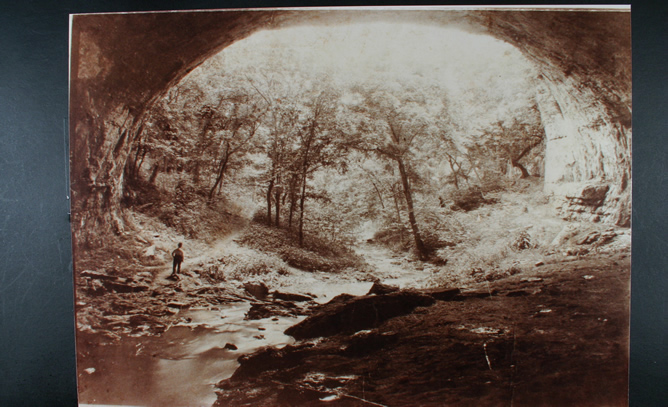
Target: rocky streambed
[523, 339]
[555, 336]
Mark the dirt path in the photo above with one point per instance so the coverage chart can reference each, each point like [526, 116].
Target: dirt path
[396, 269]
[221, 247]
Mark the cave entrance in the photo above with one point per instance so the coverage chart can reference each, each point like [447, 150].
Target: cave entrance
[583, 94]
[340, 157]
[406, 115]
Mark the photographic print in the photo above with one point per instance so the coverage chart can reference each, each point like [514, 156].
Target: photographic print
[352, 206]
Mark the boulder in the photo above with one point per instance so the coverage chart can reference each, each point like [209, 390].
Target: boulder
[351, 314]
[593, 195]
[278, 308]
[380, 288]
[257, 290]
[269, 358]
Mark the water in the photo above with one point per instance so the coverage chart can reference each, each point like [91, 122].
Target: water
[179, 368]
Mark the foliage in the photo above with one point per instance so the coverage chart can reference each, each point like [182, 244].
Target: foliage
[327, 156]
[188, 211]
[317, 255]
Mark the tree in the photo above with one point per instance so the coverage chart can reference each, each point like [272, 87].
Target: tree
[391, 120]
[317, 142]
[236, 123]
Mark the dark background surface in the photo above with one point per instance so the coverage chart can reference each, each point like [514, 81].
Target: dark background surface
[37, 355]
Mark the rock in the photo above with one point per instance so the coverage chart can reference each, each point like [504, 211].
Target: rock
[606, 237]
[590, 238]
[140, 319]
[266, 359]
[179, 305]
[120, 287]
[257, 290]
[291, 297]
[593, 195]
[261, 311]
[366, 342]
[300, 395]
[539, 263]
[531, 280]
[94, 286]
[564, 235]
[348, 315]
[150, 252]
[231, 346]
[464, 295]
[443, 294]
[380, 288]
[100, 275]
[580, 251]
[517, 293]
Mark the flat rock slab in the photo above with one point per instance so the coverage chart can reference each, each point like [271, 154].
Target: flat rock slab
[120, 287]
[380, 288]
[443, 294]
[347, 314]
[291, 297]
[179, 305]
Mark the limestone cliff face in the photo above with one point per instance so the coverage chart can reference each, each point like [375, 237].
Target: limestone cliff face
[584, 96]
[120, 64]
[586, 151]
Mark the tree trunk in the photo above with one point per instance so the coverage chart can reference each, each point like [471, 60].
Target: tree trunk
[269, 190]
[455, 174]
[301, 211]
[380, 196]
[419, 245]
[277, 203]
[154, 173]
[138, 165]
[293, 199]
[396, 206]
[516, 164]
[221, 170]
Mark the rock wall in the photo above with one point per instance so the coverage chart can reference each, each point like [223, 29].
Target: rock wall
[584, 96]
[119, 65]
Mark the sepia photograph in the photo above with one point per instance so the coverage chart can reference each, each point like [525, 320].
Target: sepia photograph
[354, 206]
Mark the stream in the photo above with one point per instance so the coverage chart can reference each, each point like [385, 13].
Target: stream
[182, 366]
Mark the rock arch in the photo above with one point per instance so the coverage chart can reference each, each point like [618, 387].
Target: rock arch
[121, 63]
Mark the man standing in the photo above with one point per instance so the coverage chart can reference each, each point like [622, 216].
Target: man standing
[177, 255]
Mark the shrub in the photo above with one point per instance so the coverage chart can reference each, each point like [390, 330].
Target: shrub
[468, 199]
[523, 241]
[316, 255]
